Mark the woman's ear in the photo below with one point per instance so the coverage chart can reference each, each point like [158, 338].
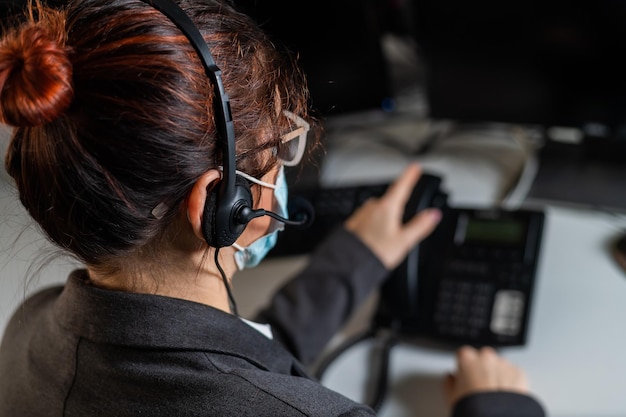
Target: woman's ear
[196, 200]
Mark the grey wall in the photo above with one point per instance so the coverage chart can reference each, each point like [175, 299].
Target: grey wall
[23, 249]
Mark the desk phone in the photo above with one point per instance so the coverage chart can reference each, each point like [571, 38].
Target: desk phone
[470, 282]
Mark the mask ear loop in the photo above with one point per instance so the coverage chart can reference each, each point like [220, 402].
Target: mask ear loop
[255, 181]
[231, 298]
[251, 178]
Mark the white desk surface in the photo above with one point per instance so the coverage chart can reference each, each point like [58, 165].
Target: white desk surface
[576, 354]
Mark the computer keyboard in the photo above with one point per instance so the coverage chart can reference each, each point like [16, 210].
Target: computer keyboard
[330, 207]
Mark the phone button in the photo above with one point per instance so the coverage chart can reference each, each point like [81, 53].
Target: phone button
[508, 311]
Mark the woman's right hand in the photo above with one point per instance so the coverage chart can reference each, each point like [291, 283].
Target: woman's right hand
[480, 370]
[378, 222]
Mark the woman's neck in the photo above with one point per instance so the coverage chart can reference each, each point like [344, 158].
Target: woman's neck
[193, 277]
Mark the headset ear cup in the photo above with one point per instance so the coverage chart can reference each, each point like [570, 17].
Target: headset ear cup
[233, 223]
[208, 218]
[221, 225]
[243, 192]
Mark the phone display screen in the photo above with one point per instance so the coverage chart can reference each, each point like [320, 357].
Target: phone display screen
[504, 231]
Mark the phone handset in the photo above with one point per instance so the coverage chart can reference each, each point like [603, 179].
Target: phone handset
[405, 278]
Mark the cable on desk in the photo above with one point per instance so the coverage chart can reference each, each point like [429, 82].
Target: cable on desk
[381, 369]
[380, 366]
[339, 350]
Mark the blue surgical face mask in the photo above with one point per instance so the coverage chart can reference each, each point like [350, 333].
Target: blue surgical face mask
[250, 256]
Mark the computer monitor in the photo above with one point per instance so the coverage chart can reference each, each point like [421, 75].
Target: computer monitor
[544, 62]
[339, 49]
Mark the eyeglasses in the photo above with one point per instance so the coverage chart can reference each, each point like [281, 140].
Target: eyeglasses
[292, 145]
[290, 151]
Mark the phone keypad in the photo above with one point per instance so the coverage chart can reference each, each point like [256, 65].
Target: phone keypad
[463, 308]
[479, 296]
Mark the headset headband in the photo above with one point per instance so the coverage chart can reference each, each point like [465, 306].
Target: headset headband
[223, 116]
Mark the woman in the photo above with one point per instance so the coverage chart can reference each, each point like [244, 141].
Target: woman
[121, 155]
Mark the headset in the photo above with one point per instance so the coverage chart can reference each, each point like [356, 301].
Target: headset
[228, 208]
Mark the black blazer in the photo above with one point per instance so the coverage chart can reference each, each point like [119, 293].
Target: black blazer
[82, 351]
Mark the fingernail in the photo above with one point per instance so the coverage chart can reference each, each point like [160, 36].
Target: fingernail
[435, 214]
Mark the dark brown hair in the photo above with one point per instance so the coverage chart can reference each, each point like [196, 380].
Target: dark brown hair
[113, 115]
